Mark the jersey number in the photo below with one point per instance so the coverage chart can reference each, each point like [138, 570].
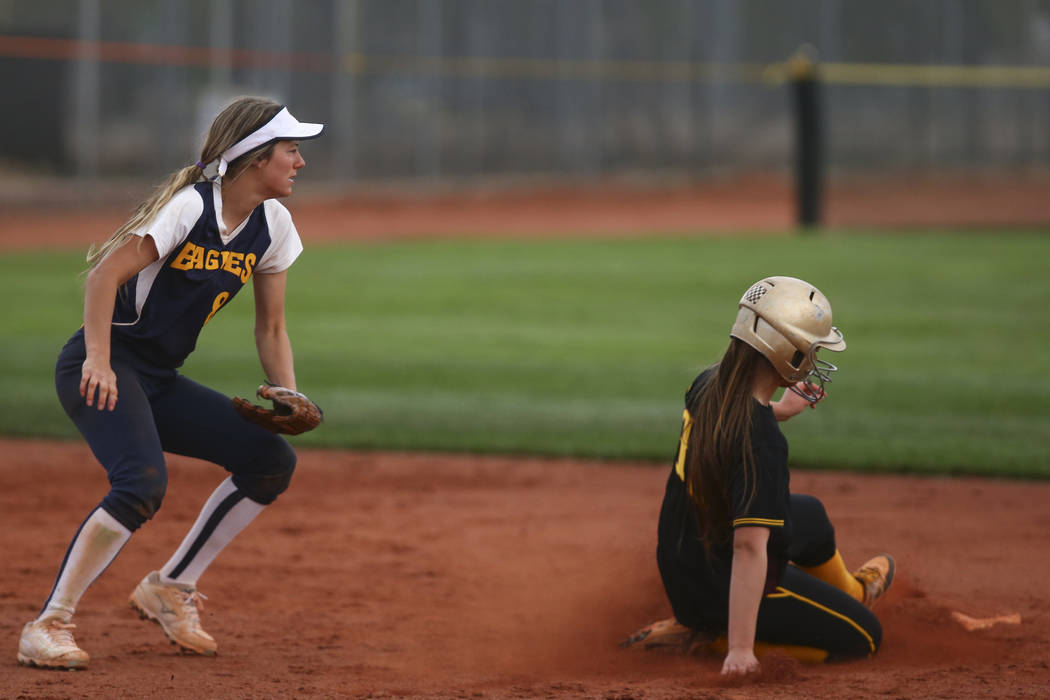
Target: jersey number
[217, 304]
[683, 443]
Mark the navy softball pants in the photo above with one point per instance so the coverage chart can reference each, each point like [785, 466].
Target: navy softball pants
[805, 611]
[801, 611]
[159, 410]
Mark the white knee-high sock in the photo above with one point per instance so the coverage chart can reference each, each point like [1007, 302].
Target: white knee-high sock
[96, 544]
[226, 513]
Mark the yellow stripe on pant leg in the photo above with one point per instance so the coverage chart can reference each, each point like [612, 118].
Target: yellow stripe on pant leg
[805, 654]
[785, 593]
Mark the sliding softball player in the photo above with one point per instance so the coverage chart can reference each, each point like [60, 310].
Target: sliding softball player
[746, 564]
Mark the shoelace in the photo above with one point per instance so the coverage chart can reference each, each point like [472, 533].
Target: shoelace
[61, 633]
[867, 574]
[192, 602]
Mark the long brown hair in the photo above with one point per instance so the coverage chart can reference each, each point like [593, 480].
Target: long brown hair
[238, 119]
[721, 438]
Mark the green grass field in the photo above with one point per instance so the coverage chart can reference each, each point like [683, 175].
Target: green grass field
[585, 347]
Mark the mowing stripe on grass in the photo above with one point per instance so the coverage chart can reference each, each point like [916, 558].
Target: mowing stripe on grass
[585, 347]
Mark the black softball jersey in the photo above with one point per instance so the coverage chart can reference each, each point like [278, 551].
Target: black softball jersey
[697, 581]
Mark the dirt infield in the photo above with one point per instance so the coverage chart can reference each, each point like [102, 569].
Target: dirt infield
[453, 576]
[45, 216]
[381, 575]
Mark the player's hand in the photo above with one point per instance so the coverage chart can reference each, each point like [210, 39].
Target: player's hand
[791, 404]
[740, 663]
[98, 377]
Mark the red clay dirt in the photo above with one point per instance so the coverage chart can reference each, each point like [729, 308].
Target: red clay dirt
[457, 576]
[40, 216]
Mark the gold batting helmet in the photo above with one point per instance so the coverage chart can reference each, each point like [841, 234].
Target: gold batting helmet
[788, 320]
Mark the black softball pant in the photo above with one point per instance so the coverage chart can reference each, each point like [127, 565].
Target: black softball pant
[159, 410]
[805, 611]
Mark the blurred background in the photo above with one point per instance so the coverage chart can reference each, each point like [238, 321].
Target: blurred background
[480, 92]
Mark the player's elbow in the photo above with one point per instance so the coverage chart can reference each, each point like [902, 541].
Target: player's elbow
[268, 332]
[750, 542]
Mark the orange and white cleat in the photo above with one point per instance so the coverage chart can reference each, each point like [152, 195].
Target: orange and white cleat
[875, 576]
[663, 634]
[48, 643]
[174, 607]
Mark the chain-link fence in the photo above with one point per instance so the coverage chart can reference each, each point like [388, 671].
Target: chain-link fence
[461, 89]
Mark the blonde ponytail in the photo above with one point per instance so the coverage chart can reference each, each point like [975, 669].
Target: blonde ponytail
[238, 119]
[145, 212]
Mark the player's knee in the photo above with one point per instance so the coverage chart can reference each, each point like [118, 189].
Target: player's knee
[810, 506]
[270, 475]
[876, 636]
[811, 510]
[864, 640]
[869, 642]
[136, 499]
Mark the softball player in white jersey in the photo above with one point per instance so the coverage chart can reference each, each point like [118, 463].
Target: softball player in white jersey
[151, 289]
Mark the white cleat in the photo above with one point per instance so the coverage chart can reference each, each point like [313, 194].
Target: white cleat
[175, 608]
[48, 643]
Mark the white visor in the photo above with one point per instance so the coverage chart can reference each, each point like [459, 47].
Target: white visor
[283, 126]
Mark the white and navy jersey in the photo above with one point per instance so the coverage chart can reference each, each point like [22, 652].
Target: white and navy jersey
[161, 310]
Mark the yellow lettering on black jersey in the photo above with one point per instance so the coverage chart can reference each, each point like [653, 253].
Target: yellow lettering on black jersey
[249, 264]
[232, 263]
[683, 443]
[191, 257]
[195, 257]
[216, 304]
[211, 260]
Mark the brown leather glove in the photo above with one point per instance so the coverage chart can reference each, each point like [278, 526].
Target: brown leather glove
[292, 413]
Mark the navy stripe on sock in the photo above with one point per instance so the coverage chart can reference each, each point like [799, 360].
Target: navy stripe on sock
[209, 527]
[65, 559]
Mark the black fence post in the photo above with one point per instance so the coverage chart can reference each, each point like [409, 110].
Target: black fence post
[809, 148]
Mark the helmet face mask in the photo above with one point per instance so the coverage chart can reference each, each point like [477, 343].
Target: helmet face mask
[788, 321]
[811, 390]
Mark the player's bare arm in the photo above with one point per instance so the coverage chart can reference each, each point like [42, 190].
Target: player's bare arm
[271, 335]
[100, 289]
[745, 594]
[793, 403]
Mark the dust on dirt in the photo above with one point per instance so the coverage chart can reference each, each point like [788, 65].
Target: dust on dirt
[451, 576]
